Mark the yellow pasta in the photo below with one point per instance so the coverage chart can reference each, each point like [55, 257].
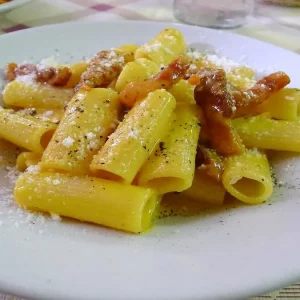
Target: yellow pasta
[137, 70]
[183, 92]
[128, 48]
[241, 77]
[89, 199]
[171, 166]
[27, 159]
[247, 177]
[36, 95]
[205, 189]
[90, 117]
[283, 105]
[76, 71]
[163, 48]
[265, 133]
[25, 131]
[51, 115]
[128, 148]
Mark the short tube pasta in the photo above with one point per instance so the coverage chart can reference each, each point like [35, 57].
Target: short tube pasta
[27, 159]
[128, 148]
[90, 117]
[51, 115]
[100, 201]
[183, 92]
[25, 131]
[137, 70]
[205, 189]
[262, 132]
[36, 95]
[163, 48]
[247, 177]
[76, 71]
[283, 105]
[171, 166]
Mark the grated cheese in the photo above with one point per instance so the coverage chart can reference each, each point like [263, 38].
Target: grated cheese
[68, 142]
[153, 47]
[33, 169]
[133, 133]
[27, 79]
[90, 135]
[55, 217]
[48, 113]
[289, 98]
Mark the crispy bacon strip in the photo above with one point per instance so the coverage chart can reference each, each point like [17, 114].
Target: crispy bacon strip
[240, 103]
[165, 79]
[220, 105]
[209, 161]
[52, 76]
[103, 68]
[217, 103]
[247, 101]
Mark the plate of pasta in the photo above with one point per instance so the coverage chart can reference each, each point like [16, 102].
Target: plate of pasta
[154, 157]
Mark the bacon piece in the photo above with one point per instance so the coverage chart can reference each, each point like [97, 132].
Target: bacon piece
[165, 79]
[220, 103]
[10, 71]
[209, 161]
[103, 68]
[218, 107]
[247, 101]
[52, 76]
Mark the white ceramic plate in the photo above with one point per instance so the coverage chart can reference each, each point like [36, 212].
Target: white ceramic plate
[232, 254]
[11, 5]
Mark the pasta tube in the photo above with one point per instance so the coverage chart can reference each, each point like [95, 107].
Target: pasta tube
[25, 131]
[128, 148]
[205, 189]
[171, 166]
[262, 132]
[127, 48]
[37, 95]
[283, 105]
[100, 201]
[247, 177]
[163, 48]
[136, 71]
[90, 117]
[183, 92]
[27, 159]
[52, 115]
[76, 70]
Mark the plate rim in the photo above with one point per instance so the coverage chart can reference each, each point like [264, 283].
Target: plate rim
[146, 22]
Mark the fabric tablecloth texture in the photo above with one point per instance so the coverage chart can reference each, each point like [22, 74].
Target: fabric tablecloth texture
[278, 25]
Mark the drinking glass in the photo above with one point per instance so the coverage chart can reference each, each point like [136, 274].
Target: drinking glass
[213, 13]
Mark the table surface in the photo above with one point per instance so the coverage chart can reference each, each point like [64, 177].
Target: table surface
[278, 25]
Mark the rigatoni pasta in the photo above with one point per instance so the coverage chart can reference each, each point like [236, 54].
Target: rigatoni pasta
[89, 118]
[135, 129]
[88, 199]
[25, 131]
[248, 178]
[265, 133]
[163, 48]
[36, 95]
[171, 166]
[128, 148]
